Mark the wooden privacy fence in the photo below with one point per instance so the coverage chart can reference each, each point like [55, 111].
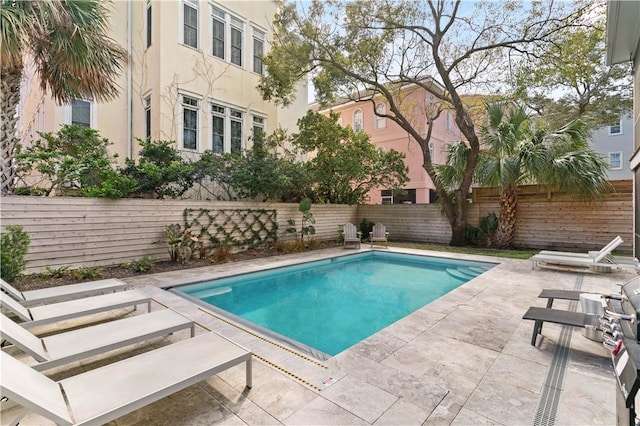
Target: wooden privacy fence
[90, 232]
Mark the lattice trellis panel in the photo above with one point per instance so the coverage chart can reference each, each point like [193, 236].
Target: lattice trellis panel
[232, 227]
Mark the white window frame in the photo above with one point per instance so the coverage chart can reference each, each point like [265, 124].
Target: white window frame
[447, 124]
[380, 122]
[231, 22]
[68, 113]
[147, 117]
[618, 153]
[196, 108]
[228, 117]
[619, 125]
[432, 152]
[148, 24]
[260, 121]
[194, 5]
[259, 36]
[358, 122]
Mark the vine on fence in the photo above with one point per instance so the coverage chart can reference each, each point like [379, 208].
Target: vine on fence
[233, 227]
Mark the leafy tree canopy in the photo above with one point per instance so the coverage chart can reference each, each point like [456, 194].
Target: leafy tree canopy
[346, 165]
[372, 50]
[569, 79]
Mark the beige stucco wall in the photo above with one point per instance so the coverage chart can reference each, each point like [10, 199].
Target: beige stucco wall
[168, 68]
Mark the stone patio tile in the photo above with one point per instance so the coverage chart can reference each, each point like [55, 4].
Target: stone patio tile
[360, 398]
[323, 412]
[587, 399]
[239, 402]
[379, 346]
[498, 400]
[468, 417]
[403, 413]
[422, 391]
[472, 325]
[278, 394]
[192, 406]
[524, 374]
[445, 412]
[314, 373]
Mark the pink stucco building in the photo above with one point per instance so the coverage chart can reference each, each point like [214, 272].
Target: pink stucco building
[386, 134]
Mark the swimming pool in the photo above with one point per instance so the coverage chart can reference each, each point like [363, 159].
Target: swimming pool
[326, 306]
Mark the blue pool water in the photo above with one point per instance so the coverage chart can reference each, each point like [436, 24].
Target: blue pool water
[330, 305]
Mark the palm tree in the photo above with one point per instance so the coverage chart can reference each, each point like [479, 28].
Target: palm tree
[67, 45]
[517, 152]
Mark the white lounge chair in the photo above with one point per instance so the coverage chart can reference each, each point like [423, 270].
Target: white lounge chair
[351, 235]
[106, 393]
[61, 293]
[607, 249]
[379, 234]
[54, 312]
[63, 348]
[602, 262]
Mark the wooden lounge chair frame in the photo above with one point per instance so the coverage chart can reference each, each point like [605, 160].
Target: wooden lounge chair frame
[98, 396]
[63, 348]
[54, 312]
[62, 293]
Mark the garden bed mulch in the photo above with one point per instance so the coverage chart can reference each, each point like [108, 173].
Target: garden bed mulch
[36, 281]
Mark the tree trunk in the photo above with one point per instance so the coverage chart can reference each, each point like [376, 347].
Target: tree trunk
[507, 219]
[9, 101]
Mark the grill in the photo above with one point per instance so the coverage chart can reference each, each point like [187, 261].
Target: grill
[620, 335]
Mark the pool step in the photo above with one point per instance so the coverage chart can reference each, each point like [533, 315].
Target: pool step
[478, 269]
[217, 291]
[462, 272]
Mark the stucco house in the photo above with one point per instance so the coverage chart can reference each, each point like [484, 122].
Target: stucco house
[192, 76]
[386, 134]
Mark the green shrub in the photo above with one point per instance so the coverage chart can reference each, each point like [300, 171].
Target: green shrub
[55, 272]
[15, 243]
[143, 264]
[366, 226]
[87, 273]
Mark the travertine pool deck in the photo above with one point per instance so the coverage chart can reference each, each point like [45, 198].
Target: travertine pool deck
[464, 359]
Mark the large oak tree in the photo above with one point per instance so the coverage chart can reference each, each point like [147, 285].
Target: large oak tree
[372, 50]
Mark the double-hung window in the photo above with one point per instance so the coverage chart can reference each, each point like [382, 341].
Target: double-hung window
[258, 128]
[258, 50]
[81, 113]
[615, 160]
[218, 119]
[218, 22]
[448, 121]
[616, 128]
[236, 131]
[190, 23]
[190, 107]
[236, 41]
[381, 122]
[227, 36]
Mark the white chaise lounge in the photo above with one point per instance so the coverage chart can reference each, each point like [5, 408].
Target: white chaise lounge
[98, 396]
[54, 312]
[600, 261]
[61, 293]
[63, 348]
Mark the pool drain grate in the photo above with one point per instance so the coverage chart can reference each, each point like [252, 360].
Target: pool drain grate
[552, 388]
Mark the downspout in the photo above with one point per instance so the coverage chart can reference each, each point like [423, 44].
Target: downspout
[129, 84]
